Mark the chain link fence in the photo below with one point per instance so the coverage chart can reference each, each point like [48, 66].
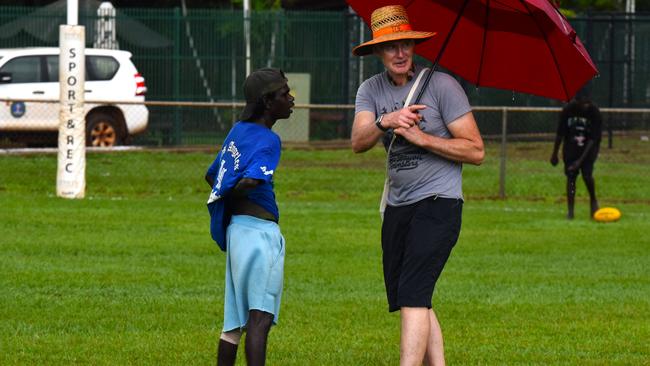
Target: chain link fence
[196, 61]
[194, 65]
[30, 123]
[200, 55]
[514, 136]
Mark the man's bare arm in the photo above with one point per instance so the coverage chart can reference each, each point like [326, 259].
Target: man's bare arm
[365, 133]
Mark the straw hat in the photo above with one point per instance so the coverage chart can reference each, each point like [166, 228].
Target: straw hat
[390, 23]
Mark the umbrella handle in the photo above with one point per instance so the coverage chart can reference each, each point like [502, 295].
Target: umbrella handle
[442, 50]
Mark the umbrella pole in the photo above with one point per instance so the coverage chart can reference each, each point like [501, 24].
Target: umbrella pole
[442, 50]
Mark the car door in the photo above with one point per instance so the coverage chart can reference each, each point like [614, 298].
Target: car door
[27, 87]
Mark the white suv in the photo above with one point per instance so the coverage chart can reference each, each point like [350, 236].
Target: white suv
[30, 75]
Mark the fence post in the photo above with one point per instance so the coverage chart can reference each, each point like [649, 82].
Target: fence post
[177, 129]
[502, 165]
[612, 53]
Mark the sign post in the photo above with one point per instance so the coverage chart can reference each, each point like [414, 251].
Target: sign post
[71, 168]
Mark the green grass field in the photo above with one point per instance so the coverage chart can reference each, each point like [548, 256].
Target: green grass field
[129, 275]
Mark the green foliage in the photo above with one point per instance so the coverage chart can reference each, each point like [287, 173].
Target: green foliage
[568, 13]
[129, 275]
[580, 6]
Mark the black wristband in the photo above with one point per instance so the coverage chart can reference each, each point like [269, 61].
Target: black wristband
[378, 123]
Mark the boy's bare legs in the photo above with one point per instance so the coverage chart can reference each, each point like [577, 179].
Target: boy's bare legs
[227, 350]
[226, 354]
[259, 325]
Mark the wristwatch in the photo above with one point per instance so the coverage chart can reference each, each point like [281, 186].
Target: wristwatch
[378, 123]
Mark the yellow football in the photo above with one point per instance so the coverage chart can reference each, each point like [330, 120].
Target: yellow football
[607, 214]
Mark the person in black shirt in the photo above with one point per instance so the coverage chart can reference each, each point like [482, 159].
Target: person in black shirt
[579, 129]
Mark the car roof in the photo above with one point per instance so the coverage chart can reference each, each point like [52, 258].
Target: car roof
[55, 51]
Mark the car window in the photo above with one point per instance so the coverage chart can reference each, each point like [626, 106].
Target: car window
[52, 68]
[102, 67]
[52, 63]
[25, 69]
[98, 68]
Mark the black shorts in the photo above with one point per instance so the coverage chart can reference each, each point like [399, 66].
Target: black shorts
[416, 241]
[587, 168]
[570, 155]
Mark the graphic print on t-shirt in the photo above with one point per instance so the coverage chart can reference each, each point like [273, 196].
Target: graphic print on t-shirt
[405, 161]
[579, 129]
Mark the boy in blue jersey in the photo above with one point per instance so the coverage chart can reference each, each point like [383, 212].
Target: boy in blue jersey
[244, 217]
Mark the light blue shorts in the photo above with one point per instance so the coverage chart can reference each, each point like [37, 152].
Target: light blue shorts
[254, 270]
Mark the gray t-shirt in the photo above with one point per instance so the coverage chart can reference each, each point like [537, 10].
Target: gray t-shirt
[416, 173]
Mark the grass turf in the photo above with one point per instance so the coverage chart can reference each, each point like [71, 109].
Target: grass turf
[129, 274]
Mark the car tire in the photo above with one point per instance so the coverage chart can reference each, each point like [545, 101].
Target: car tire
[102, 130]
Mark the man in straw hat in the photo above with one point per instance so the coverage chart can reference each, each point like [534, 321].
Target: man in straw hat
[244, 217]
[424, 202]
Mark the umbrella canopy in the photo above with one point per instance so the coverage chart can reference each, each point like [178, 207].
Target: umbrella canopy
[521, 45]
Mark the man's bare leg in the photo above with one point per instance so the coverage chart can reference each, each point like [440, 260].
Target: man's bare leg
[414, 335]
[435, 354]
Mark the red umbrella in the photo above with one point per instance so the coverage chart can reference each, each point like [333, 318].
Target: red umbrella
[522, 45]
